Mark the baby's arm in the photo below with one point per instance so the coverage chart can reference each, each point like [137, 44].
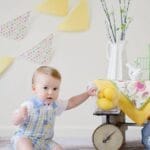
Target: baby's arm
[20, 115]
[77, 100]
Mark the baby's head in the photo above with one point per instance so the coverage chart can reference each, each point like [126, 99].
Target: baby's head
[46, 83]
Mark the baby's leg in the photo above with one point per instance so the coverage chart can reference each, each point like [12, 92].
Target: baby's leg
[24, 144]
[57, 147]
[52, 145]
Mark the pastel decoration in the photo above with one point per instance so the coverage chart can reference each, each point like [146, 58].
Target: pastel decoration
[108, 95]
[41, 53]
[134, 72]
[104, 103]
[56, 7]
[138, 115]
[17, 28]
[5, 62]
[77, 19]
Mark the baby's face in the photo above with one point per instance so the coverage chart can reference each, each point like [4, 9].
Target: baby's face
[46, 87]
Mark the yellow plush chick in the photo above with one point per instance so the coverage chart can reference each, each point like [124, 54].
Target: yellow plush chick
[104, 104]
[107, 96]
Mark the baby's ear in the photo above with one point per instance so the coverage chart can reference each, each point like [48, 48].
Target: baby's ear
[33, 87]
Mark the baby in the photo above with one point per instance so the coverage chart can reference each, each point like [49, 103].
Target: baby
[36, 117]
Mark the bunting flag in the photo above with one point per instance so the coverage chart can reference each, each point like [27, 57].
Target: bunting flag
[41, 53]
[56, 7]
[5, 62]
[77, 19]
[16, 29]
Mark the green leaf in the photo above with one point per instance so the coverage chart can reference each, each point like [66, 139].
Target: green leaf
[123, 26]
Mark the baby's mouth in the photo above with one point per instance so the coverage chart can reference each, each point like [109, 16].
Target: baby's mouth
[49, 98]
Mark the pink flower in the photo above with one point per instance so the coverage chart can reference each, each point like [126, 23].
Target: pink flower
[139, 86]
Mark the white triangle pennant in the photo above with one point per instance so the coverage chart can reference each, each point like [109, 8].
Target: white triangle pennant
[41, 53]
[17, 28]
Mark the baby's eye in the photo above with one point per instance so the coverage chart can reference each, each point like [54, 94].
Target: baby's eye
[45, 87]
[55, 89]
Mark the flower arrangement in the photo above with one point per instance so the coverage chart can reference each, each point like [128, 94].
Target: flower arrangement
[116, 31]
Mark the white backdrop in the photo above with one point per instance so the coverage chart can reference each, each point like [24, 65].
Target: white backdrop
[80, 57]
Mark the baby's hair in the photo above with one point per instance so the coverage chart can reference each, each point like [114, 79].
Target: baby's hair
[48, 71]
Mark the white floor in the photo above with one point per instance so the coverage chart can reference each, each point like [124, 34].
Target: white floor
[74, 143]
[68, 143]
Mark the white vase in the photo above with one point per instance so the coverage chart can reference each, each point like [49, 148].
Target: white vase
[117, 59]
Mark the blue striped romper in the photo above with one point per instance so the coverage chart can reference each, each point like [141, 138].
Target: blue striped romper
[39, 126]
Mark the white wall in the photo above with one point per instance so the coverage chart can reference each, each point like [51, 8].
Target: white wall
[80, 57]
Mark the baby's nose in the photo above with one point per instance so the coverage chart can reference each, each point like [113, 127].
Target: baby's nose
[49, 91]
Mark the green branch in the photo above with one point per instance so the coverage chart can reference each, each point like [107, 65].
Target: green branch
[112, 26]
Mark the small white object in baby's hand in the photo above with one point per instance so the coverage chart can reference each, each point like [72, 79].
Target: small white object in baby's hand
[91, 85]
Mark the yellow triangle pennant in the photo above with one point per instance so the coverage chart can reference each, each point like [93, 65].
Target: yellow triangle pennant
[5, 62]
[77, 19]
[56, 7]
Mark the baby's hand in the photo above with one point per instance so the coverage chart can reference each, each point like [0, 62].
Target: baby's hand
[91, 89]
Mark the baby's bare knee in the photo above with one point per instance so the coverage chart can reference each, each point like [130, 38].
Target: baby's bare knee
[24, 144]
[58, 147]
